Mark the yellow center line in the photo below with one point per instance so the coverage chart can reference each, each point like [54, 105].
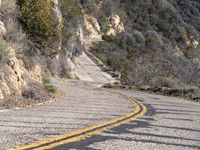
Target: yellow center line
[101, 128]
[90, 134]
[85, 133]
[109, 125]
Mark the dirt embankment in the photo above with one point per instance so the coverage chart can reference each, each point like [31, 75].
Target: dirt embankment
[36, 94]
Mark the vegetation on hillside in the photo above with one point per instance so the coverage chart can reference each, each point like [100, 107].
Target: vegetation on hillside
[43, 29]
[48, 86]
[154, 48]
[3, 49]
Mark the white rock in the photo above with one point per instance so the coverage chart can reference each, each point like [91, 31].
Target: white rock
[192, 43]
[91, 28]
[2, 29]
[115, 20]
[116, 25]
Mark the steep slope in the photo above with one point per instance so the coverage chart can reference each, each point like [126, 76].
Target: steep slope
[151, 42]
[37, 39]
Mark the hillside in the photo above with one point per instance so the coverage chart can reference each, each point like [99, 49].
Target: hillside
[38, 39]
[152, 43]
[100, 74]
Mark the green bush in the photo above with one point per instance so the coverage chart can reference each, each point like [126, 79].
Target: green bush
[73, 9]
[3, 49]
[123, 44]
[46, 81]
[44, 31]
[103, 21]
[109, 38]
[50, 88]
[103, 57]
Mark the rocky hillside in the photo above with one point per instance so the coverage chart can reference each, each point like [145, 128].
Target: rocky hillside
[37, 39]
[153, 43]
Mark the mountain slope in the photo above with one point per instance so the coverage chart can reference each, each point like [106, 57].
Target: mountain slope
[151, 42]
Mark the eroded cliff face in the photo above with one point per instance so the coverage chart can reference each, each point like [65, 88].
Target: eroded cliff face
[44, 38]
[10, 75]
[41, 39]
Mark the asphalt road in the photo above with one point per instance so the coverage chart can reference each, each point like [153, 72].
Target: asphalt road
[169, 123]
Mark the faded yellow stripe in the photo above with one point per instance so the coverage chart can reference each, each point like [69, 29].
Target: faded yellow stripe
[46, 141]
[113, 123]
[137, 109]
[90, 134]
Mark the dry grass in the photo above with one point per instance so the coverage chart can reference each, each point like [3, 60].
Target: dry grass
[8, 7]
[14, 33]
[3, 49]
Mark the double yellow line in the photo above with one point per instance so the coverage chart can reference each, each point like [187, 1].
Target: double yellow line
[79, 135]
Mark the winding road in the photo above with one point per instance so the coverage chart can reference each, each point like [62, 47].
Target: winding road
[92, 118]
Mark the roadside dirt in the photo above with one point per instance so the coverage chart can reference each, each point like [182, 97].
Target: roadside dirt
[35, 95]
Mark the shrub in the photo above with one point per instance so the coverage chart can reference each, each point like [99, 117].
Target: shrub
[103, 57]
[103, 21]
[8, 7]
[35, 92]
[123, 44]
[139, 37]
[46, 81]
[72, 7]
[50, 88]
[38, 21]
[89, 5]
[153, 40]
[3, 49]
[109, 38]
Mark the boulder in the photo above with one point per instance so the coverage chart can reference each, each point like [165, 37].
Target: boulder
[192, 43]
[115, 26]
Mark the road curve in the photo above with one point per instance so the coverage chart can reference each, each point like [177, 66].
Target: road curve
[91, 131]
[169, 123]
[83, 105]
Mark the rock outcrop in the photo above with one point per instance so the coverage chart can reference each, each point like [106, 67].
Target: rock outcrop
[116, 26]
[11, 82]
[48, 47]
[2, 30]
[91, 28]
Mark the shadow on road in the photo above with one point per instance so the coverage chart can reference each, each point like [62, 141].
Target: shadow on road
[146, 122]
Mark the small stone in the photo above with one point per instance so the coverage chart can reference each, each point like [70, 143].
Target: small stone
[145, 87]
